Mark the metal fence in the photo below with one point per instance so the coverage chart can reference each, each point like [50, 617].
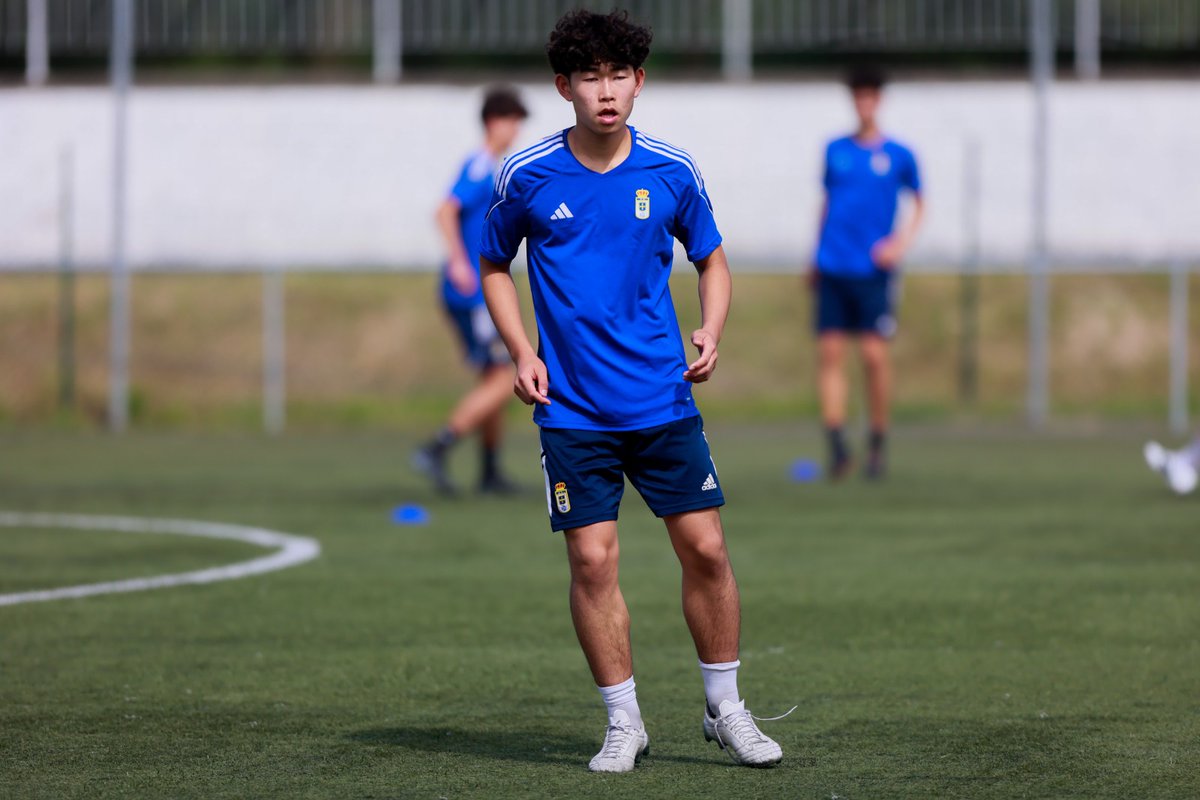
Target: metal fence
[182, 28]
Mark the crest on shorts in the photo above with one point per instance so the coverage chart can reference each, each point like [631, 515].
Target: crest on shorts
[561, 498]
[641, 204]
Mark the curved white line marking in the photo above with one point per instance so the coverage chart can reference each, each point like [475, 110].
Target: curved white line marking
[293, 550]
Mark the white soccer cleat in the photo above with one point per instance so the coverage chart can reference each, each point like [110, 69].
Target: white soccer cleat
[1156, 456]
[735, 732]
[624, 746]
[1181, 473]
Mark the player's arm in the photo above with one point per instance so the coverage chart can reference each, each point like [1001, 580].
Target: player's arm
[531, 384]
[458, 265]
[889, 252]
[811, 276]
[716, 292]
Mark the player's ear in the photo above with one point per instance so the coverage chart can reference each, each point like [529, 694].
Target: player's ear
[639, 77]
[563, 84]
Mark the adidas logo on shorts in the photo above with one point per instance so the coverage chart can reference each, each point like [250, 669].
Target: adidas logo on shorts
[709, 484]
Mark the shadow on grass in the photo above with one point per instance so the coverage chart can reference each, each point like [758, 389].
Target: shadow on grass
[537, 747]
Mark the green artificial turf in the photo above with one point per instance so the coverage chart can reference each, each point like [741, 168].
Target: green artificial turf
[1007, 616]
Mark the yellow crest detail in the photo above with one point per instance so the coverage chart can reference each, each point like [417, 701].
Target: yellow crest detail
[561, 498]
[641, 204]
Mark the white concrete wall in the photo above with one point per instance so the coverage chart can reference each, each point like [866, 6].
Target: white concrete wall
[348, 176]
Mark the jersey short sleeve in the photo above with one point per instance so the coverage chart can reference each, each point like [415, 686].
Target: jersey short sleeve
[910, 175]
[695, 227]
[506, 224]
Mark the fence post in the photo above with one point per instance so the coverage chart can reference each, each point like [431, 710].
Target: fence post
[37, 44]
[388, 48]
[968, 355]
[121, 67]
[274, 352]
[1178, 414]
[66, 282]
[1041, 47]
[737, 40]
[1087, 39]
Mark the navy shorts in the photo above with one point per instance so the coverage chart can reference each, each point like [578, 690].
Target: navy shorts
[669, 465]
[480, 339]
[857, 305]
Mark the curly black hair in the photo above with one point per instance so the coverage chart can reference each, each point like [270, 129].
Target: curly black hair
[583, 39]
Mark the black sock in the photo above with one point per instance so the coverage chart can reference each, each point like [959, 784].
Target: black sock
[490, 463]
[837, 444]
[877, 441]
[444, 440]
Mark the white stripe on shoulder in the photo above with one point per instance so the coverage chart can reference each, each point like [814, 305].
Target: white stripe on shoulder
[502, 186]
[520, 154]
[664, 143]
[687, 162]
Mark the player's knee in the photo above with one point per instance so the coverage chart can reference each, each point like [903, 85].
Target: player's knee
[707, 555]
[593, 563]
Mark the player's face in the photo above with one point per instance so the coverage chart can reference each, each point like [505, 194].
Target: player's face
[603, 96]
[866, 104]
[503, 131]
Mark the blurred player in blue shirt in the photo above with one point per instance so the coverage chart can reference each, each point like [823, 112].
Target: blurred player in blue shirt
[460, 220]
[854, 275]
[600, 206]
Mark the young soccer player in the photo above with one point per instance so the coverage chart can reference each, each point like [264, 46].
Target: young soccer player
[1180, 467]
[599, 205]
[460, 220]
[854, 274]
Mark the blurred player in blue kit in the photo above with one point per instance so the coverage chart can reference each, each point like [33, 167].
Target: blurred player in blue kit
[599, 206]
[460, 220]
[854, 275]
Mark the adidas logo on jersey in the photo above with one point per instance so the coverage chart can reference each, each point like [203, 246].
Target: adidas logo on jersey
[709, 484]
[562, 212]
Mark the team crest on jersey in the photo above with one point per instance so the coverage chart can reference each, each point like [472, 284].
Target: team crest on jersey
[561, 498]
[641, 204]
[881, 162]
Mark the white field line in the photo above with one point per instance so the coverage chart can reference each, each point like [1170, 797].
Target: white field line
[292, 550]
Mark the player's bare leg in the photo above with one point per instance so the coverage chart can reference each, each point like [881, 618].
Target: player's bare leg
[491, 433]
[712, 608]
[597, 605]
[484, 402]
[485, 399]
[832, 389]
[877, 365]
[602, 624]
[711, 604]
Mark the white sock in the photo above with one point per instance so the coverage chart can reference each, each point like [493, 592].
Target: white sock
[623, 697]
[720, 683]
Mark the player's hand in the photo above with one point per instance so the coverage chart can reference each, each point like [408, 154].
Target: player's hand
[888, 252]
[462, 275]
[702, 368]
[532, 384]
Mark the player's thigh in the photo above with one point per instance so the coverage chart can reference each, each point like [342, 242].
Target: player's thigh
[584, 481]
[592, 550]
[672, 468]
[698, 538]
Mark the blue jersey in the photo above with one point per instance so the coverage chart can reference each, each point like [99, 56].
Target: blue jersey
[600, 248]
[473, 192]
[862, 184]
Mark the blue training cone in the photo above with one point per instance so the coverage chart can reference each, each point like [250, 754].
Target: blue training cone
[805, 470]
[410, 514]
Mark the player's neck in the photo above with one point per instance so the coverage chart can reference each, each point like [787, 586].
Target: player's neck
[600, 152]
[868, 133]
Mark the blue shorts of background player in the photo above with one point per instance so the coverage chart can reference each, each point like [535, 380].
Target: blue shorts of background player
[856, 305]
[481, 342]
[670, 466]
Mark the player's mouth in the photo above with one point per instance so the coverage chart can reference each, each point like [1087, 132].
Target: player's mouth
[608, 116]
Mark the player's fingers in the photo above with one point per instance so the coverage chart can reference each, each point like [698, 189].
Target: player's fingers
[542, 384]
